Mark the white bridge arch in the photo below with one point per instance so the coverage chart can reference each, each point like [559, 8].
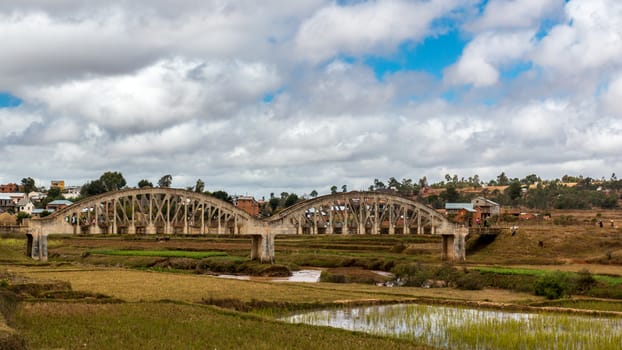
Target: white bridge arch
[177, 211]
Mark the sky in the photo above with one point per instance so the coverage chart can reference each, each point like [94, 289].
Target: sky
[255, 97]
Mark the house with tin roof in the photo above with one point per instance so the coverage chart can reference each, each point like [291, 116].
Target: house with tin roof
[7, 205]
[58, 204]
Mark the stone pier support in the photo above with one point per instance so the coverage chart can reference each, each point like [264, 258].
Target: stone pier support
[454, 244]
[37, 246]
[262, 248]
[448, 251]
[151, 229]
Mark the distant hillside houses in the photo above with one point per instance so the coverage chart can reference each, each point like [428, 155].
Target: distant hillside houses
[474, 213]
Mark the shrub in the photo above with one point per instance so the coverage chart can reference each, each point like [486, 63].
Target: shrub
[606, 292]
[584, 281]
[470, 281]
[398, 248]
[332, 278]
[413, 275]
[554, 285]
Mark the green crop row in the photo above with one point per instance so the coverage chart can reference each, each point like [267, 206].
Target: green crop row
[158, 253]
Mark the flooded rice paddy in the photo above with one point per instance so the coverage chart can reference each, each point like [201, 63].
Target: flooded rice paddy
[463, 328]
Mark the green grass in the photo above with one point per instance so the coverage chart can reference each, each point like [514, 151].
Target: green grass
[158, 253]
[177, 326]
[610, 280]
[512, 271]
[596, 305]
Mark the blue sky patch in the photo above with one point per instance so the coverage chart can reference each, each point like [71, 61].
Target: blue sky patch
[269, 97]
[432, 55]
[545, 28]
[515, 70]
[9, 101]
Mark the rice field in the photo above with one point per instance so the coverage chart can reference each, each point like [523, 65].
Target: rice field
[164, 325]
[158, 253]
[473, 329]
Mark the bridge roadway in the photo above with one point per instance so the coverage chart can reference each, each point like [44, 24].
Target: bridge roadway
[177, 211]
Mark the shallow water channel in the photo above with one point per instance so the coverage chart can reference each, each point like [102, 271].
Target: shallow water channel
[310, 276]
[463, 328]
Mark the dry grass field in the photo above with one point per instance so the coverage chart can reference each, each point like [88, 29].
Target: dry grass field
[120, 301]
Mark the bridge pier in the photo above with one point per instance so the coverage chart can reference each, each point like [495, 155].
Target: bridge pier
[37, 246]
[150, 229]
[262, 248]
[454, 245]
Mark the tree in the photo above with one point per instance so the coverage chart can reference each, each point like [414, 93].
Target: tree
[165, 181]
[333, 189]
[379, 185]
[28, 184]
[21, 216]
[91, 188]
[393, 183]
[200, 186]
[407, 187]
[112, 181]
[291, 200]
[144, 183]
[273, 203]
[313, 194]
[502, 179]
[344, 188]
[450, 195]
[531, 179]
[222, 195]
[476, 181]
[514, 190]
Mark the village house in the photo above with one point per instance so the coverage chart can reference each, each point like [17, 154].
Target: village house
[485, 207]
[463, 213]
[58, 204]
[248, 204]
[8, 188]
[6, 204]
[25, 205]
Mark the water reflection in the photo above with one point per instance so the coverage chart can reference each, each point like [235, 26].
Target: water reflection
[461, 328]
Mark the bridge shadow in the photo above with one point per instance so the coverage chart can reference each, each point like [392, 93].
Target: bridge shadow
[480, 238]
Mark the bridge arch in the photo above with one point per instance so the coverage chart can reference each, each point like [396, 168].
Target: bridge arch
[361, 213]
[171, 211]
[149, 211]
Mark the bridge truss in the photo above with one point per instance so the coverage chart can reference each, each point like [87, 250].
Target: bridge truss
[150, 211]
[361, 213]
[176, 211]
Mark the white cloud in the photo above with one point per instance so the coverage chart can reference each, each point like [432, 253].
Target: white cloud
[480, 62]
[151, 87]
[612, 98]
[515, 14]
[167, 92]
[15, 121]
[591, 40]
[367, 26]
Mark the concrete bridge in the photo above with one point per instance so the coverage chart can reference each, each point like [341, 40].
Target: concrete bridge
[176, 211]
